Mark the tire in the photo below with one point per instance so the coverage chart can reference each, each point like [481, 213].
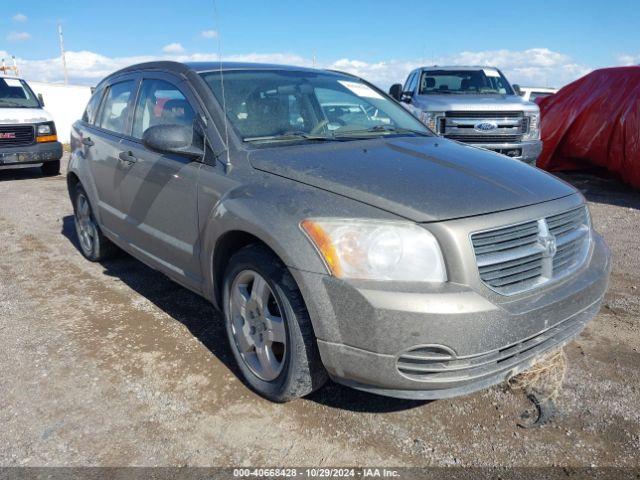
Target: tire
[51, 168]
[296, 369]
[93, 244]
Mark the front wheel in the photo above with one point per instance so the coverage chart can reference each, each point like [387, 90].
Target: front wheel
[268, 326]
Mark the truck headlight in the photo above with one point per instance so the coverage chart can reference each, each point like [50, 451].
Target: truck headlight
[533, 124]
[377, 250]
[432, 120]
[44, 129]
[46, 132]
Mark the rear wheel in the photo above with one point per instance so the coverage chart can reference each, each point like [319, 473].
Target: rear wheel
[51, 168]
[93, 244]
[268, 326]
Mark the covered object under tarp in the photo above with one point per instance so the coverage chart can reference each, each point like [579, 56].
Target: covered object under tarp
[594, 122]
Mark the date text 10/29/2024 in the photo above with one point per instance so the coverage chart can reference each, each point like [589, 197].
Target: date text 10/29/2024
[315, 473]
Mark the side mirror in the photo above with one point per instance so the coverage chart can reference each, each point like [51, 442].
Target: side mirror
[517, 89]
[176, 139]
[396, 91]
[406, 97]
[41, 100]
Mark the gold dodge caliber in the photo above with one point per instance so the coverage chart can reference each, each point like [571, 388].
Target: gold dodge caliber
[340, 237]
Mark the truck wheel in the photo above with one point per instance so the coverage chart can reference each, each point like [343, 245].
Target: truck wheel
[93, 244]
[268, 326]
[51, 168]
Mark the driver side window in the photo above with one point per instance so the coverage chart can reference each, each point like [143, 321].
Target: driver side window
[160, 103]
[410, 85]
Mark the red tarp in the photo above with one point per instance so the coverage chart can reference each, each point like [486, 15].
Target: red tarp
[594, 121]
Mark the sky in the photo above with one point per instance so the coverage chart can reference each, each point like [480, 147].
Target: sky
[541, 43]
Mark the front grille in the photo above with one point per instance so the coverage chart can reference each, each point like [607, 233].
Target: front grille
[467, 126]
[16, 135]
[520, 257]
[480, 138]
[442, 366]
[484, 114]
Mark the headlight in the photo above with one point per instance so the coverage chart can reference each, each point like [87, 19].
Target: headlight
[533, 122]
[377, 250]
[432, 120]
[44, 129]
[46, 132]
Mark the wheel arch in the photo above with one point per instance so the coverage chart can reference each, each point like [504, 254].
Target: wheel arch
[226, 246]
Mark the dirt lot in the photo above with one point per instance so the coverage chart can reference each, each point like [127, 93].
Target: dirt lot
[113, 364]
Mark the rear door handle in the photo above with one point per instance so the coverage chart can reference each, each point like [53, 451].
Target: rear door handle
[87, 141]
[127, 157]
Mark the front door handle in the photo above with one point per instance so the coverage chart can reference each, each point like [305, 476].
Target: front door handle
[127, 157]
[88, 142]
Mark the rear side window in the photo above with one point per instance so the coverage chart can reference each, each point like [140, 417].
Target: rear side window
[160, 103]
[115, 108]
[92, 106]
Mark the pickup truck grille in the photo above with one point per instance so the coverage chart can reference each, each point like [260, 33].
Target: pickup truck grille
[520, 257]
[484, 114]
[508, 127]
[485, 138]
[16, 135]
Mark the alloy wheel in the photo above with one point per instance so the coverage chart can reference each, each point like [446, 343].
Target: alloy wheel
[85, 226]
[257, 324]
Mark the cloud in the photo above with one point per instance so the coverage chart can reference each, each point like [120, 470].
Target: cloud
[628, 59]
[537, 66]
[209, 34]
[19, 17]
[18, 36]
[173, 48]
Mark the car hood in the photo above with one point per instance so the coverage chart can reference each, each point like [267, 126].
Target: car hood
[12, 116]
[444, 103]
[424, 179]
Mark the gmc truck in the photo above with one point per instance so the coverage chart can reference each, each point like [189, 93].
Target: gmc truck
[27, 131]
[474, 105]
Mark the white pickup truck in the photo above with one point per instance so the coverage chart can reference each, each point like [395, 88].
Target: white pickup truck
[474, 105]
[27, 131]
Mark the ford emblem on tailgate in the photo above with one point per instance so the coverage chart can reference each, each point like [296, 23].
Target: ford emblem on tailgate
[485, 126]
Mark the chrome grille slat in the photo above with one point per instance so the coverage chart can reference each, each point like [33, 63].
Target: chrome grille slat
[526, 230]
[511, 263]
[506, 271]
[519, 257]
[506, 256]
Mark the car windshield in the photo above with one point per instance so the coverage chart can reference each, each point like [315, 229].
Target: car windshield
[483, 81]
[291, 105]
[15, 93]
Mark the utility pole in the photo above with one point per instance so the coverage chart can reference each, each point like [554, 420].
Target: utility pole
[64, 60]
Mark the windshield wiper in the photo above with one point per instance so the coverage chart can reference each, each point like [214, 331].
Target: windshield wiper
[381, 129]
[291, 136]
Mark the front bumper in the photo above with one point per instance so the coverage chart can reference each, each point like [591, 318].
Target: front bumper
[529, 151]
[365, 334]
[29, 154]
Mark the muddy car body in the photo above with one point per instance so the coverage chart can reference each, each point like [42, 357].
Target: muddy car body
[393, 260]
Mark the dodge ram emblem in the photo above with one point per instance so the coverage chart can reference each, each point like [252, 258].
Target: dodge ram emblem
[485, 126]
[549, 244]
[7, 135]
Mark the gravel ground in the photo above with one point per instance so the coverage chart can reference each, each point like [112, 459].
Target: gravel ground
[113, 364]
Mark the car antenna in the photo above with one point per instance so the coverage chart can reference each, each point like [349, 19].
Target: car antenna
[227, 163]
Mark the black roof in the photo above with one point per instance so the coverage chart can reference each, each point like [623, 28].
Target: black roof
[178, 67]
